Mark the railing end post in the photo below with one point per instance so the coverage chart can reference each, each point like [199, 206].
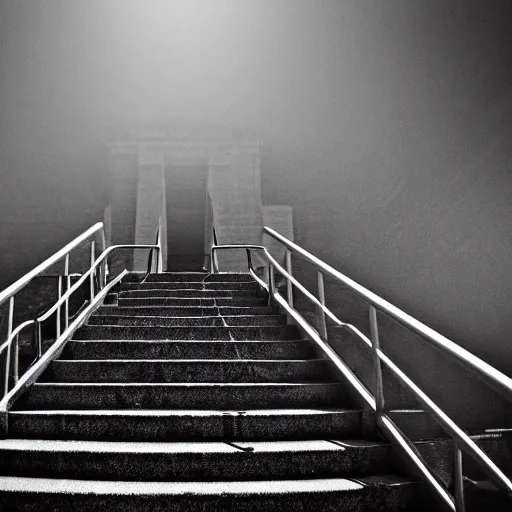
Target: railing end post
[458, 480]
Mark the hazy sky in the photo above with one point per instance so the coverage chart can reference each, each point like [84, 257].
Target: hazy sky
[376, 119]
[329, 86]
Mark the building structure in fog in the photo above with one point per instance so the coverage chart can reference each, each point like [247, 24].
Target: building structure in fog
[178, 182]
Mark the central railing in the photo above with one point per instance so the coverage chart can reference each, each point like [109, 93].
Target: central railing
[463, 443]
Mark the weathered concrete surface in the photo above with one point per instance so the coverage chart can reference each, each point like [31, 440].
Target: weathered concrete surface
[178, 321]
[165, 396]
[187, 425]
[161, 349]
[98, 460]
[208, 370]
[130, 399]
[390, 494]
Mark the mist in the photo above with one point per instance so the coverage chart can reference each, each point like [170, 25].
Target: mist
[386, 125]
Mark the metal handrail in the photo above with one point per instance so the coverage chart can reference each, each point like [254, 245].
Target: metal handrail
[7, 345]
[53, 352]
[463, 442]
[89, 275]
[18, 285]
[9, 293]
[497, 378]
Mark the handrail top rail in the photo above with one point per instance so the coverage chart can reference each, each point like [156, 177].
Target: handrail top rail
[18, 285]
[462, 439]
[15, 332]
[402, 317]
[84, 276]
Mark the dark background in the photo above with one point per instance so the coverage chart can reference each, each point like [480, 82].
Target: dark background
[385, 124]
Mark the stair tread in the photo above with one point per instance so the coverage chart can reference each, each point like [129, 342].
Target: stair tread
[208, 291]
[176, 340]
[186, 361]
[50, 445]
[188, 321]
[189, 412]
[111, 306]
[187, 384]
[202, 317]
[263, 487]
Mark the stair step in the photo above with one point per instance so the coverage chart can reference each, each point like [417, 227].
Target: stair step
[105, 332]
[181, 301]
[161, 349]
[207, 461]
[186, 371]
[192, 285]
[175, 395]
[191, 294]
[187, 311]
[185, 397]
[182, 425]
[206, 321]
[386, 493]
[199, 276]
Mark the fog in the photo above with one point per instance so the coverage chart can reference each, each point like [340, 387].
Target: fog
[385, 124]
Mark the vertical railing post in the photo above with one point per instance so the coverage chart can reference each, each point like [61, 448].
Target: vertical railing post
[212, 266]
[10, 321]
[39, 339]
[321, 312]
[58, 312]
[289, 285]
[103, 266]
[377, 367]
[271, 283]
[249, 260]
[155, 260]
[7, 369]
[215, 262]
[16, 372]
[159, 261]
[91, 276]
[458, 480]
[266, 276]
[10, 316]
[68, 286]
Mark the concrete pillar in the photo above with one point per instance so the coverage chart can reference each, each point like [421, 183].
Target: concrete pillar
[122, 201]
[236, 206]
[151, 208]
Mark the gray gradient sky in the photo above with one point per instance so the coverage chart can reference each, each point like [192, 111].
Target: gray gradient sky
[385, 123]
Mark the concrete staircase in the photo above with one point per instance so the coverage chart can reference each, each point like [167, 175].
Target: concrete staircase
[188, 392]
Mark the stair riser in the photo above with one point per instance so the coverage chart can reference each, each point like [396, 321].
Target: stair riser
[97, 332]
[152, 371]
[187, 311]
[360, 500]
[189, 350]
[199, 277]
[192, 294]
[236, 465]
[208, 285]
[183, 321]
[221, 302]
[74, 397]
[186, 428]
